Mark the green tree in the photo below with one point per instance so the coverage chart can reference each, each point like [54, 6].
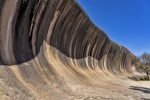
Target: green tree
[145, 62]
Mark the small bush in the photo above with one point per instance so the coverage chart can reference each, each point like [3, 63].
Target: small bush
[144, 78]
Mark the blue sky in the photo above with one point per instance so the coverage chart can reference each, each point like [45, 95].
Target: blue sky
[126, 22]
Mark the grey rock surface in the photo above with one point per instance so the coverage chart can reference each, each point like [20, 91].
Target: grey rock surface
[51, 50]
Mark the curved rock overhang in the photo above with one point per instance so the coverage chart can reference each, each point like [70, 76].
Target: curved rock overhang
[45, 41]
[62, 24]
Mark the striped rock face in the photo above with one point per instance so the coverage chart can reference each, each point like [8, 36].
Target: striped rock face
[50, 50]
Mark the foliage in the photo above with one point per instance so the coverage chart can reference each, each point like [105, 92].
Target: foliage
[144, 78]
[144, 59]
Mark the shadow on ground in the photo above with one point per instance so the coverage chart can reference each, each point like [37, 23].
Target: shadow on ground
[142, 89]
[145, 99]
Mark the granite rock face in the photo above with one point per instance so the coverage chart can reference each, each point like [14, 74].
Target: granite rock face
[40, 40]
[26, 24]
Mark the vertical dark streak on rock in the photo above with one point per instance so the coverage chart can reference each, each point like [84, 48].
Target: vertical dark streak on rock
[70, 31]
[22, 19]
[1, 7]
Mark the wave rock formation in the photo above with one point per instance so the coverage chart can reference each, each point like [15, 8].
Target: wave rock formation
[50, 50]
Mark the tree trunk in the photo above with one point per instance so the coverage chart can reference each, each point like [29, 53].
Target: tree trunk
[147, 76]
